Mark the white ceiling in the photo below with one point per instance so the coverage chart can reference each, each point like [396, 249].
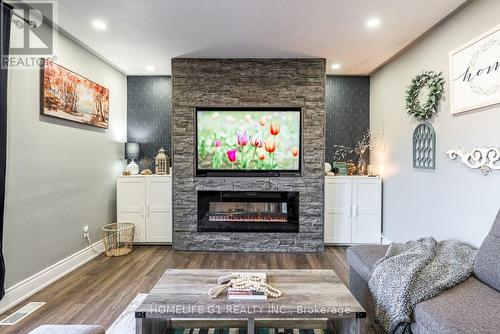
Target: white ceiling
[152, 32]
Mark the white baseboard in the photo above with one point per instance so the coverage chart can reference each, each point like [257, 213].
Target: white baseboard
[27, 287]
[385, 241]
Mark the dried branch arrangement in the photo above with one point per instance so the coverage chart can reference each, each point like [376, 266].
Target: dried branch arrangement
[366, 142]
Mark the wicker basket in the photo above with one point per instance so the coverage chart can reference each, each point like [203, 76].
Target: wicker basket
[118, 238]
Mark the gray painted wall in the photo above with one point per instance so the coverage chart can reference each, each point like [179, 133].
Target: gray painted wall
[60, 175]
[149, 104]
[347, 102]
[452, 202]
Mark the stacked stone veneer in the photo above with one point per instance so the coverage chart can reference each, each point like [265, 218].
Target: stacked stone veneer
[248, 83]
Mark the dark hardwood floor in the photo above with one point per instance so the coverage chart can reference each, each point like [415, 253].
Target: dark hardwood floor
[97, 292]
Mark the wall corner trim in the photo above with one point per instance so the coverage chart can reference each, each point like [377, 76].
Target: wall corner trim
[29, 286]
[385, 241]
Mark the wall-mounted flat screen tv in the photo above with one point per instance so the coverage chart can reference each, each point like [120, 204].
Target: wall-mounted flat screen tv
[250, 141]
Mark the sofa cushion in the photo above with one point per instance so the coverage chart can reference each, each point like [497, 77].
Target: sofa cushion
[68, 329]
[362, 258]
[487, 263]
[469, 307]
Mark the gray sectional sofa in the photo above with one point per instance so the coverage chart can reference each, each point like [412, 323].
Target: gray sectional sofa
[472, 306]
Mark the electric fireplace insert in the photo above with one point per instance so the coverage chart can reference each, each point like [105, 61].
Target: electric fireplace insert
[248, 211]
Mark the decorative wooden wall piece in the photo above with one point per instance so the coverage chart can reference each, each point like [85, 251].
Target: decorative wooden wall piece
[424, 147]
[485, 159]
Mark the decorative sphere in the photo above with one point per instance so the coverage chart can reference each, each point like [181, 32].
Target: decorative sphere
[328, 167]
[133, 168]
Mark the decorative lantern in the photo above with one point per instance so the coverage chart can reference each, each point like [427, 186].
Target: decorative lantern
[161, 162]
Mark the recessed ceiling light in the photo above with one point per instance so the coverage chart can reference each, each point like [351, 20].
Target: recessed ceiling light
[150, 68]
[336, 66]
[99, 25]
[373, 23]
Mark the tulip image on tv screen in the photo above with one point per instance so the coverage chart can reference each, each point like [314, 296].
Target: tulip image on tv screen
[248, 140]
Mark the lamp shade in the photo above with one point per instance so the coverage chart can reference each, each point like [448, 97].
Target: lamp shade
[132, 151]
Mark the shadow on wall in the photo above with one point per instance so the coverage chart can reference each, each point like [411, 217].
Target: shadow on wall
[75, 125]
[232, 50]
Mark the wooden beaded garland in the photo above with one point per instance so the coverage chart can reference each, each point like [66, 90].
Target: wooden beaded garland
[255, 284]
[244, 282]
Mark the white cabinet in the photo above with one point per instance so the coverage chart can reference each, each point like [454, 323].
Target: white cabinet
[158, 209]
[131, 204]
[338, 198]
[353, 209]
[366, 210]
[146, 201]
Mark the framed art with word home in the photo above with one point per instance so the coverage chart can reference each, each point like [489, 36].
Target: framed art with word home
[475, 73]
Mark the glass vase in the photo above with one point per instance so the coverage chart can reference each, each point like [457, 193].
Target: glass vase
[361, 166]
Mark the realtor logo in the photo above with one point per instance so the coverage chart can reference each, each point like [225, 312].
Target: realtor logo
[33, 33]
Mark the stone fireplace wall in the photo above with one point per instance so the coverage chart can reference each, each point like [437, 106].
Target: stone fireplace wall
[248, 83]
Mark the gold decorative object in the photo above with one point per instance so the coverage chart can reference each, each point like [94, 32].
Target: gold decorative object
[147, 172]
[351, 169]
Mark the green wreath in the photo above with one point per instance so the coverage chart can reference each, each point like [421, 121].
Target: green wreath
[435, 83]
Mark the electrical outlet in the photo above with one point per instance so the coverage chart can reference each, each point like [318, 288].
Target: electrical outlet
[86, 231]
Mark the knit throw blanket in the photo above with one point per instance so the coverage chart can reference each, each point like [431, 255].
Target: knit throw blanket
[413, 272]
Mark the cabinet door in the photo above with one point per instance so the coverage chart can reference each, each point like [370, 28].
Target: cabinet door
[130, 202]
[366, 215]
[338, 211]
[159, 209]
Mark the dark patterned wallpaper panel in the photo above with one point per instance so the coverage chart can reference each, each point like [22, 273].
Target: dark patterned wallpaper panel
[347, 103]
[148, 113]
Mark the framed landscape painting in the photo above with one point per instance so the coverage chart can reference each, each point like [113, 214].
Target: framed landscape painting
[475, 73]
[70, 96]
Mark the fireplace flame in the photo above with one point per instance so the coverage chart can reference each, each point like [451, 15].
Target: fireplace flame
[255, 217]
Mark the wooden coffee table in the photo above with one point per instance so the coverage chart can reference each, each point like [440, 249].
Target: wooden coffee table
[309, 297]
